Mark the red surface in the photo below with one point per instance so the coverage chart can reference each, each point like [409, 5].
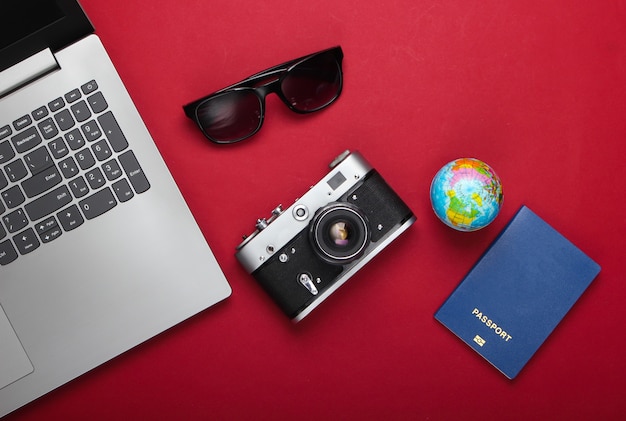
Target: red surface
[535, 89]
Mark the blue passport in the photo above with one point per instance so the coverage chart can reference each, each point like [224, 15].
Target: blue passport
[518, 292]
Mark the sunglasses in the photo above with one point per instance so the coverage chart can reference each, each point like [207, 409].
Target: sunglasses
[305, 85]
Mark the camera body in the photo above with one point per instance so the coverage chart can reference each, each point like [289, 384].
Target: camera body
[302, 254]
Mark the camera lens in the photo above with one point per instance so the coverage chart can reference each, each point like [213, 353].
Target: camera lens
[339, 233]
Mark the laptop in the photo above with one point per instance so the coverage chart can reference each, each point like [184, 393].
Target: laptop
[98, 249]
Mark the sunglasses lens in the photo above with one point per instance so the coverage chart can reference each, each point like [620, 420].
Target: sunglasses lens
[313, 84]
[231, 116]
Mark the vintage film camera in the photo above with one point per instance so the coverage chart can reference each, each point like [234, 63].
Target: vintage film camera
[302, 254]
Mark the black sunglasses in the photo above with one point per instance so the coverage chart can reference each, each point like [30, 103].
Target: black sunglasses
[305, 85]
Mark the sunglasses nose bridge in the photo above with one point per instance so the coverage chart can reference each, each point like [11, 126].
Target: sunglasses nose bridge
[268, 88]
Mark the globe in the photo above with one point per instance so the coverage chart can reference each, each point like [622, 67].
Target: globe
[466, 194]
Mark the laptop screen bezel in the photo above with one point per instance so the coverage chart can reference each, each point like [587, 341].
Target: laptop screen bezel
[72, 26]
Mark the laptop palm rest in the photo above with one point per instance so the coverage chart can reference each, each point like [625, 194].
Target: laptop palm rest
[14, 363]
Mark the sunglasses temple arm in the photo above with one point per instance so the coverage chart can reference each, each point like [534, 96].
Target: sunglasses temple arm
[283, 67]
[261, 75]
[286, 65]
[279, 68]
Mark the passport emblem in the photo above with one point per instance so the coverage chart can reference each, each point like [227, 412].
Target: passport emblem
[480, 341]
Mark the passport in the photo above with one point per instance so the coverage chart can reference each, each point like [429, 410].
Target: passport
[517, 292]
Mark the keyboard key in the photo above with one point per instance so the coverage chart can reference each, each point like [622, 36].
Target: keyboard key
[22, 122]
[75, 139]
[72, 96]
[6, 152]
[70, 218]
[48, 203]
[98, 203]
[91, 131]
[16, 170]
[81, 111]
[15, 221]
[48, 129]
[64, 119]
[101, 150]
[5, 131]
[85, 159]
[112, 131]
[95, 178]
[38, 160]
[26, 140]
[134, 172]
[97, 102]
[42, 182]
[3, 183]
[122, 190]
[13, 197]
[89, 87]
[51, 234]
[26, 241]
[68, 167]
[56, 105]
[40, 113]
[79, 187]
[58, 148]
[112, 169]
[7, 253]
[46, 225]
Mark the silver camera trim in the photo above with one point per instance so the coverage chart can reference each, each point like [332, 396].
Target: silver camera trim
[254, 251]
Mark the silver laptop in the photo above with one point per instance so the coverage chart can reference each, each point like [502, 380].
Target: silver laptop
[98, 250]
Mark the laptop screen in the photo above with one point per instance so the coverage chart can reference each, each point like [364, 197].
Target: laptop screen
[29, 26]
[31, 19]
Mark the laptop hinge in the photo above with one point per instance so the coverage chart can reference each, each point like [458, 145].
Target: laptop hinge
[26, 71]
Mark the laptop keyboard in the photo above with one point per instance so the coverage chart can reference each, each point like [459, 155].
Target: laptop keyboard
[71, 148]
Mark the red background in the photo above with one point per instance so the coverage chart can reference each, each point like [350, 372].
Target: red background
[536, 89]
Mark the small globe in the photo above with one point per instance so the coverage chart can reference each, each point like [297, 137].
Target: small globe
[466, 194]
